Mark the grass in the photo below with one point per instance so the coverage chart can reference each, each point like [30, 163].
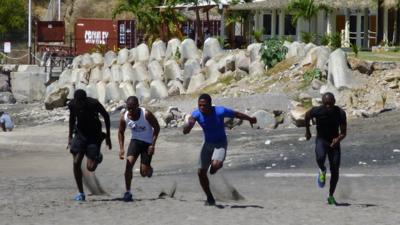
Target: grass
[281, 66]
[377, 56]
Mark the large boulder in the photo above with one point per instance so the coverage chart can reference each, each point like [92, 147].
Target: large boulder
[123, 56]
[110, 58]
[127, 72]
[257, 68]
[143, 92]
[116, 75]
[172, 70]
[242, 61]
[77, 62]
[142, 53]
[57, 98]
[155, 70]
[295, 49]
[91, 90]
[391, 75]
[173, 48]
[80, 76]
[175, 87]
[65, 77]
[102, 92]
[96, 75]
[113, 92]
[7, 98]
[158, 51]
[298, 116]
[140, 72]
[106, 71]
[127, 90]
[4, 83]
[158, 90]
[196, 82]
[212, 72]
[360, 65]
[317, 56]
[97, 59]
[339, 73]
[132, 55]
[189, 50]
[87, 61]
[191, 68]
[308, 47]
[28, 86]
[264, 119]
[227, 63]
[211, 48]
[254, 51]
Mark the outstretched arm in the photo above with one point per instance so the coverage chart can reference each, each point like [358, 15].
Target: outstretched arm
[189, 125]
[307, 119]
[106, 117]
[156, 130]
[243, 116]
[121, 136]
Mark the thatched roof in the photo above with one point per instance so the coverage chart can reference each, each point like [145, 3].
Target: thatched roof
[277, 4]
[390, 3]
[191, 14]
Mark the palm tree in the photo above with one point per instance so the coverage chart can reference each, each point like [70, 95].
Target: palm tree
[195, 4]
[171, 20]
[146, 17]
[305, 9]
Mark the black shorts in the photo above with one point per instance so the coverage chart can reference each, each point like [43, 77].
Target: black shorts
[89, 146]
[136, 148]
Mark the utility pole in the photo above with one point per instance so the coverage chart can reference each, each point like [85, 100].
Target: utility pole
[29, 32]
[59, 10]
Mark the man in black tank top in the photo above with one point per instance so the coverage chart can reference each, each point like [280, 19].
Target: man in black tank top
[329, 119]
[85, 134]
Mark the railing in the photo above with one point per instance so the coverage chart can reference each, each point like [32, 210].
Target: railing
[60, 62]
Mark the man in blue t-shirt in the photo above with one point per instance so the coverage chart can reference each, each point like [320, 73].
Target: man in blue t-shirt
[213, 152]
[6, 123]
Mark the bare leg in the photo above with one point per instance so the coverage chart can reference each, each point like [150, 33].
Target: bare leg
[91, 165]
[130, 162]
[145, 170]
[202, 173]
[215, 166]
[77, 161]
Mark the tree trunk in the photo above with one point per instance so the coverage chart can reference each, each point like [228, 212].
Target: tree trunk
[198, 27]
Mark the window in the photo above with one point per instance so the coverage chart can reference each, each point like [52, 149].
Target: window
[290, 29]
[267, 24]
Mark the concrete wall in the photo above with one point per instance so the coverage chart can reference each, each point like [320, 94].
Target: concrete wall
[28, 83]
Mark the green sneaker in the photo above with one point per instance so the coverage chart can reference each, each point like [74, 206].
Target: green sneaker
[321, 178]
[331, 200]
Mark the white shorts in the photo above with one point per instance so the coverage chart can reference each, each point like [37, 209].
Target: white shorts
[212, 151]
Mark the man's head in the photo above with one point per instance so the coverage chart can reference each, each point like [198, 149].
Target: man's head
[328, 100]
[205, 103]
[132, 104]
[80, 97]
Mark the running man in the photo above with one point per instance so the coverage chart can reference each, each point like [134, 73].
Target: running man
[85, 135]
[329, 118]
[144, 132]
[213, 152]
[6, 122]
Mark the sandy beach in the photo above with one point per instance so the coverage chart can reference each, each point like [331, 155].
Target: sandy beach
[277, 180]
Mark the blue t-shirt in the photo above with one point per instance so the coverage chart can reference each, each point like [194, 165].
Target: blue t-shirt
[213, 124]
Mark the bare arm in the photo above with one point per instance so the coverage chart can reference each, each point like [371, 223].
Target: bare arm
[156, 130]
[121, 136]
[106, 117]
[342, 135]
[243, 116]
[188, 127]
[307, 119]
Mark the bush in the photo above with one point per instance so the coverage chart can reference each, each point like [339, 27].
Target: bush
[258, 36]
[307, 37]
[312, 74]
[335, 40]
[273, 51]
[355, 49]
[325, 40]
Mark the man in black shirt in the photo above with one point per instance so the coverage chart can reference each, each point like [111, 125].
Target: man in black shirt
[329, 119]
[85, 135]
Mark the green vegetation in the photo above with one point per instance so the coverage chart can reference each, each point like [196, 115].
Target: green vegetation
[325, 39]
[377, 56]
[308, 37]
[355, 49]
[258, 35]
[305, 9]
[335, 40]
[309, 76]
[272, 52]
[12, 18]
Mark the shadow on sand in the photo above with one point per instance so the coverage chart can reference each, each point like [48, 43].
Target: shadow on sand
[219, 206]
[362, 205]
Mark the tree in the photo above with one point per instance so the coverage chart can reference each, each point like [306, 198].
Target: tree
[195, 4]
[146, 18]
[305, 9]
[240, 17]
[12, 17]
[171, 19]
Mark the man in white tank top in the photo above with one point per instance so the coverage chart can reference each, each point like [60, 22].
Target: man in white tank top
[144, 128]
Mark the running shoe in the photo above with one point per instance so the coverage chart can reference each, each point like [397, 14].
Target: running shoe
[80, 197]
[321, 178]
[127, 197]
[331, 200]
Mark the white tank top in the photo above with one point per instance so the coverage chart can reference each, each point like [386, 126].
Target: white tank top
[141, 128]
